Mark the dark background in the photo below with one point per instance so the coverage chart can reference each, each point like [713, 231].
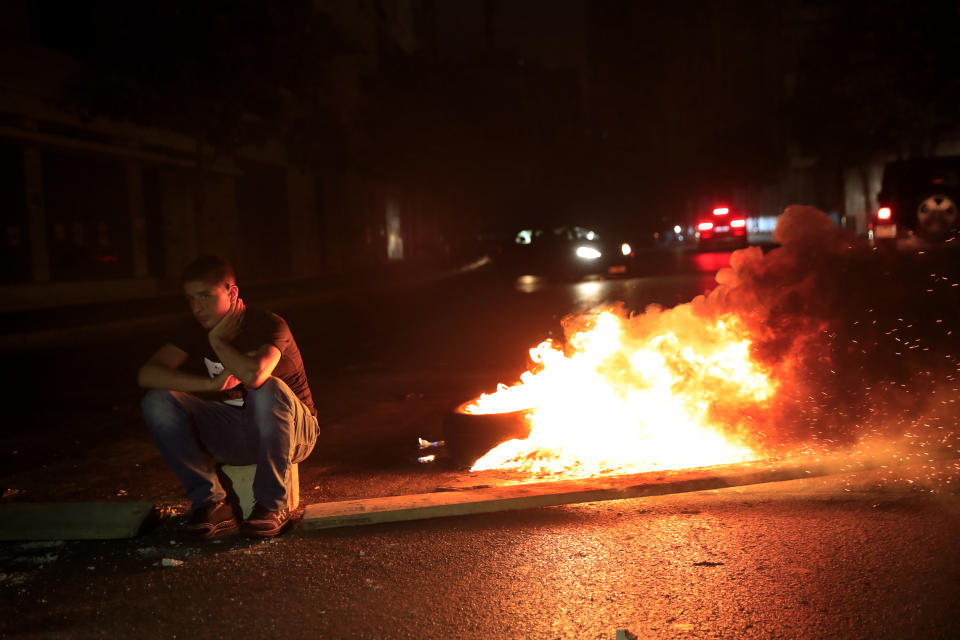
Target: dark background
[475, 117]
[626, 106]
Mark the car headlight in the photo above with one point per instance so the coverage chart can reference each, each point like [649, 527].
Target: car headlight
[588, 253]
[626, 249]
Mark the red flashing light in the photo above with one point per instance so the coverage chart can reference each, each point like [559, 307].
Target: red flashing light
[737, 224]
[721, 211]
[705, 226]
[884, 213]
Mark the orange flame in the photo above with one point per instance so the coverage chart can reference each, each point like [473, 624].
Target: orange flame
[623, 399]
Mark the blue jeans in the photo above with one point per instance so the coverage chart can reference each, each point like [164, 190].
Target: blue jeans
[274, 430]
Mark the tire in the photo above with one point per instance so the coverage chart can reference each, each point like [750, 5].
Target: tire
[468, 436]
[936, 217]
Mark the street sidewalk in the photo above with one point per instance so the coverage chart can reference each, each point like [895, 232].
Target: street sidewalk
[54, 326]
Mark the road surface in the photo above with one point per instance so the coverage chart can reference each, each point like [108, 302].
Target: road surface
[864, 555]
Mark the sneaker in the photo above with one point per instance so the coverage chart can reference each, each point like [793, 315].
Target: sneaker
[214, 520]
[265, 523]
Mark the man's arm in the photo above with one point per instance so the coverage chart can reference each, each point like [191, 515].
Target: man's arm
[161, 371]
[251, 368]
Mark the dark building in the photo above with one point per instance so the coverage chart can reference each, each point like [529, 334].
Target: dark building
[98, 208]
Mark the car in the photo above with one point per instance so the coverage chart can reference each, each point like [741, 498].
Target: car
[917, 201]
[723, 227]
[568, 251]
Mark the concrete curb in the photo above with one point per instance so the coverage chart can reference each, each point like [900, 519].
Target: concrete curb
[489, 499]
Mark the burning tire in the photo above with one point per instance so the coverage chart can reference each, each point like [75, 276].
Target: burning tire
[468, 436]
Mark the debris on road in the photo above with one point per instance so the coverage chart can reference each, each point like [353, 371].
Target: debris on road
[41, 544]
[171, 562]
[14, 579]
[439, 447]
[38, 560]
[426, 444]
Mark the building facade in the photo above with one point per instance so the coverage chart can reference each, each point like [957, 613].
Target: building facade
[96, 210]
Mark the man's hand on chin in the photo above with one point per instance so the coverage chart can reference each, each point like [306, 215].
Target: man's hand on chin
[230, 325]
[224, 381]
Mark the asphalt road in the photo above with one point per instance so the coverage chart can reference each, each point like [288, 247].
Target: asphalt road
[853, 556]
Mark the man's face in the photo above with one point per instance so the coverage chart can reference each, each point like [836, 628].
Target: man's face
[209, 302]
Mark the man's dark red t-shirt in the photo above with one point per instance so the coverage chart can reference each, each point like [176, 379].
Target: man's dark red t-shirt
[260, 327]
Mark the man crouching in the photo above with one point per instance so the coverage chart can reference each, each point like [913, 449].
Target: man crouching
[231, 390]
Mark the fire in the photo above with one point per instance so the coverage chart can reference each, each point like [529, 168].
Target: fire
[622, 398]
[821, 346]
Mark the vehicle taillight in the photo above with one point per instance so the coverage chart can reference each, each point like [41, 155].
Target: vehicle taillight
[705, 226]
[721, 211]
[736, 224]
[884, 213]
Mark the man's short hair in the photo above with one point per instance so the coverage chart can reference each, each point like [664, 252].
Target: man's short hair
[210, 269]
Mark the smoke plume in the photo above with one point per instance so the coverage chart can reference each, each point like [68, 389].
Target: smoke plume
[860, 342]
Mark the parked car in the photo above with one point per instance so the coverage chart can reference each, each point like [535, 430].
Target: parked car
[568, 251]
[722, 227]
[918, 199]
